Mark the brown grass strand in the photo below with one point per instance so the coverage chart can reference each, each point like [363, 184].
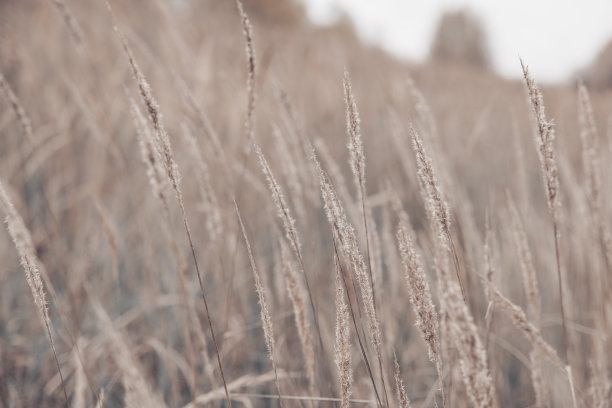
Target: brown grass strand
[25, 247]
[247, 29]
[266, 320]
[343, 340]
[296, 295]
[249, 121]
[402, 396]
[459, 326]
[436, 207]
[163, 145]
[359, 333]
[345, 234]
[546, 154]
[357, 163]
[420, 294]
[280, 203]
[284, 213]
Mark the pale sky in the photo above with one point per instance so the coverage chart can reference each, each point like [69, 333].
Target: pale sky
[554, 37]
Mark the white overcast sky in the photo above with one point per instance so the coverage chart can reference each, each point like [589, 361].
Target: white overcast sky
[554, 37]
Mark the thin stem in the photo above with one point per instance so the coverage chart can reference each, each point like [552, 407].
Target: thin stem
[363, 352]
[365, 222]
[560, 279]
[212, 332]
[57, 362]
[300, 398]
[457, 271]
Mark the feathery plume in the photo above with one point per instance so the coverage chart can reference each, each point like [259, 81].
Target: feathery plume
[418, 290]
[161, 141]
[151, 157]
[460, 332]
[345, 234]
[290, 229]
[247, 29]
[548, 162]
[25, 247]
[435, 205]
[343, 340]
[472, 354]
[402, 396]
[355, 146]
[545, 144]
[357, 163]
[296, 294]
[279, 201]
[420, 294]
[266, 320]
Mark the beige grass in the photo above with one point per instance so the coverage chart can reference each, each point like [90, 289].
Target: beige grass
[125, 223]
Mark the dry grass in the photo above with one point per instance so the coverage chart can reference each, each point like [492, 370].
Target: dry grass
[436, 266]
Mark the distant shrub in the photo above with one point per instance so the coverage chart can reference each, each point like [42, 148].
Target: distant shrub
[460, 38]
[599, 73]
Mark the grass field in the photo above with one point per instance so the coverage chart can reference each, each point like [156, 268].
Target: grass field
[211, 205]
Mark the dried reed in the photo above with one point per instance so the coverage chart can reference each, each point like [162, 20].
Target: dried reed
[546, 153]
[25, 247]
[296, 294]
[402, 396]
[420, 294]
[436, 207]
[162, 143]
[266, 320]
[343, 340]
